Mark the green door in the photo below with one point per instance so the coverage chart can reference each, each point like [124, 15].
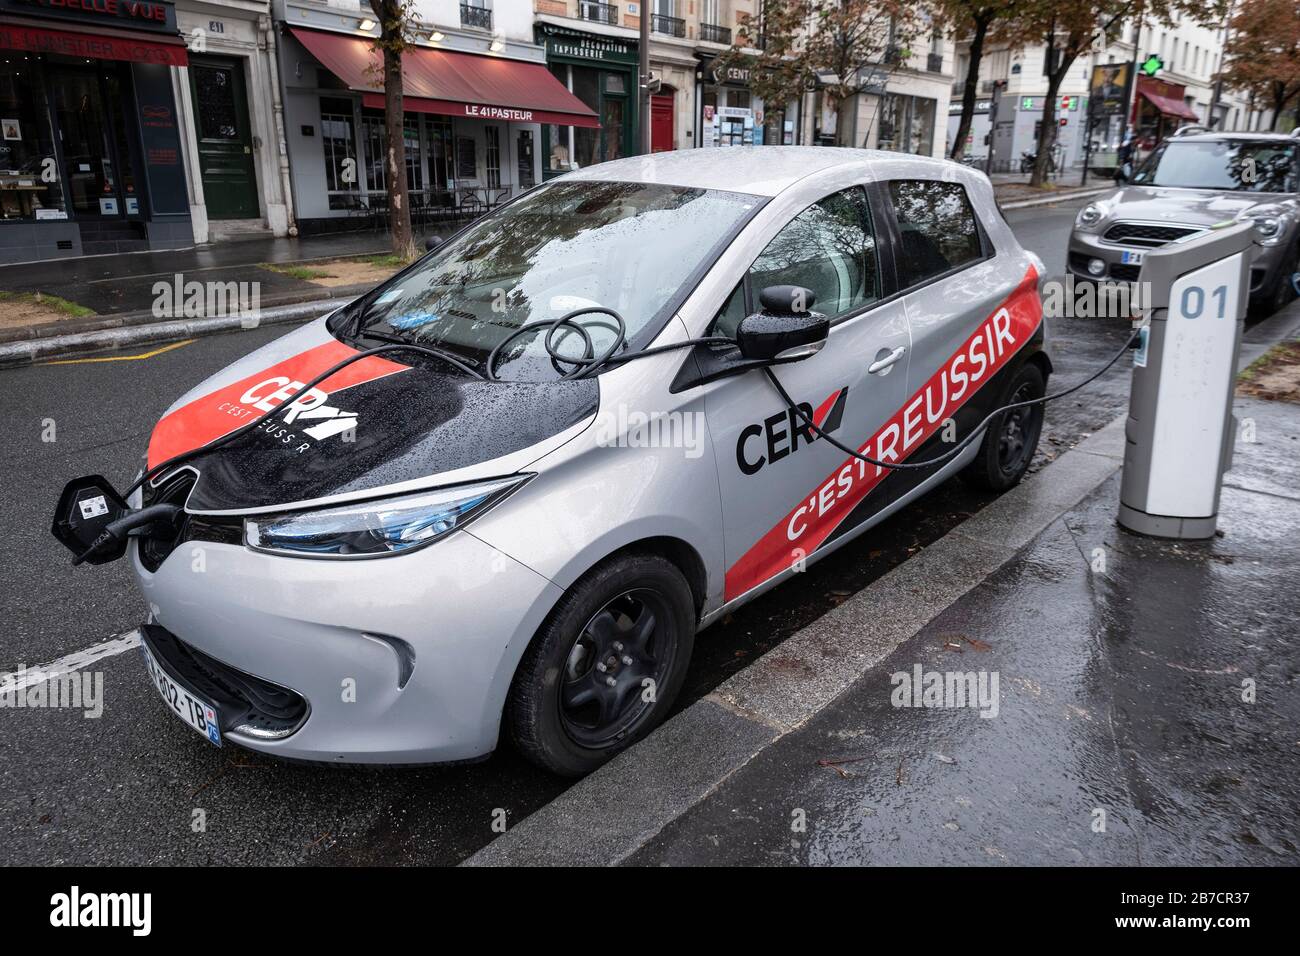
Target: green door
[225, 141]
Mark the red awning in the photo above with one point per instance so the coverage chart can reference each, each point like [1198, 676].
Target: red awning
[451, 83]
[95, 43]
[1169, 106]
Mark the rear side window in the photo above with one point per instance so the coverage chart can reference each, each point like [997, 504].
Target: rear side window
[937, 227]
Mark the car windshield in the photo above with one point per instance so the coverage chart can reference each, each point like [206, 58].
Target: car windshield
[630, 247]
[1237, 165]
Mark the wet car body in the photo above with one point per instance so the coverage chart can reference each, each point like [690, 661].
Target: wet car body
[414, 657]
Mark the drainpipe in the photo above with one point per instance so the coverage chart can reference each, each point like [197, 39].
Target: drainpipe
[267, 27]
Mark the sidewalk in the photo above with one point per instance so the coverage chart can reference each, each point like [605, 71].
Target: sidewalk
[1120, 661]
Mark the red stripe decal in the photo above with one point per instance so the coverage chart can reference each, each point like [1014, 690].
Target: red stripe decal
[819, 416]
[813, 520]
[218, 413]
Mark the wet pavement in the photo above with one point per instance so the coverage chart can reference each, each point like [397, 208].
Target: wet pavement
[1146, 708]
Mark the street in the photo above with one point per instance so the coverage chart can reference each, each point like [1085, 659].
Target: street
[127, 787]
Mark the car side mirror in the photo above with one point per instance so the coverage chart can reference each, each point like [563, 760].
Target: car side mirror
[786, 330]
[431, 243]
[1124, 173]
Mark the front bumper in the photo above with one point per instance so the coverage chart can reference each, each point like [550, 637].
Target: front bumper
[1084, 246]
[404, 659]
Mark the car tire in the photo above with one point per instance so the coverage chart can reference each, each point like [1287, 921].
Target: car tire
[1009, 443]
[599, 676]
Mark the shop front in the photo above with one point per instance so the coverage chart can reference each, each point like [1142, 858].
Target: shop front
[472, 128]
[90, 159]
[1158, 110]
[599, 71]
[731, 115]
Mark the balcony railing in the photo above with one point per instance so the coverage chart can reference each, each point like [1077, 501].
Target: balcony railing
[934, 62]
[711, 33]
[605, 13]
[669, 26]
[480, 17]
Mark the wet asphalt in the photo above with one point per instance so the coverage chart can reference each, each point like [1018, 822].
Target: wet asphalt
[126, 787]
[1146, 709]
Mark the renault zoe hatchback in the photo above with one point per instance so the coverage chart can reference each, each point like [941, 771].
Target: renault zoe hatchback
[502, 492]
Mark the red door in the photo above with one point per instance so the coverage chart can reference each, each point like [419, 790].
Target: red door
[661, 123]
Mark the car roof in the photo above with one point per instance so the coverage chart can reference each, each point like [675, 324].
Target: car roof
[759, 170]
[1218, 137]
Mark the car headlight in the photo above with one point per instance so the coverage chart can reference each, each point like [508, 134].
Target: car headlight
[372, 529]
[1270, 224]
[1090, 215]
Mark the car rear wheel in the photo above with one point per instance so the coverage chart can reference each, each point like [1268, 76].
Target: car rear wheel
[605, 667]
[1009, 444]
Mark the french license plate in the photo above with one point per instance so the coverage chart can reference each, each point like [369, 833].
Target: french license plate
[195, 711]
[1130, 258]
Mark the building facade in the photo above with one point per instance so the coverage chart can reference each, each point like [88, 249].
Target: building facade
[477, 97]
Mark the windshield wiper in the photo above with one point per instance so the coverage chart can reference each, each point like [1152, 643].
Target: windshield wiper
[423, 349]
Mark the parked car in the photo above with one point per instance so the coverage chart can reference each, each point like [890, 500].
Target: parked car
[1191, 183]
[506, 532]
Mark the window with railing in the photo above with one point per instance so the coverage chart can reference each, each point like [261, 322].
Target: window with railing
[598, 12]
[476, 14]
[668, 26]
[712, 33]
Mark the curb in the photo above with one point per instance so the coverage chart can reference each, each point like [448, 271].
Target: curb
[31, 351]
[595, 823]
[1048, 200]
[120, 320]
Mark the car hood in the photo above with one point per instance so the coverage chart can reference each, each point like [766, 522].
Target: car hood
[1192, 207]
[377, 423]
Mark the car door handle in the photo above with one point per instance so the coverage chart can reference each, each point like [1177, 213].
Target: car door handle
[884, 363]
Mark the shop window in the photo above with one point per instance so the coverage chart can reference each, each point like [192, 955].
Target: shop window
[441, 171]
[906, 124]
[372, 136]
[338, 139]
[492, 156]
[466, 158]
[937, 228]
[30, 186]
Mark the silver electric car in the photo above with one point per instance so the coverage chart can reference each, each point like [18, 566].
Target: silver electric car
[1192, 182]
[503, 491]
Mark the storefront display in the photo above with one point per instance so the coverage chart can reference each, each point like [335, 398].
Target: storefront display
[90, 159]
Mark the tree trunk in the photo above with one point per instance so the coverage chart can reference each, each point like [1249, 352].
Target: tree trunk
[399, 211]
[971, 89]
[1047, 130]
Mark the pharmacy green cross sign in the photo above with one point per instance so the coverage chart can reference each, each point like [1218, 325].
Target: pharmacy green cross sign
[1152, 65]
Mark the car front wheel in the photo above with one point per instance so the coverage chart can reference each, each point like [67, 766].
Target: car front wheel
[606, 666]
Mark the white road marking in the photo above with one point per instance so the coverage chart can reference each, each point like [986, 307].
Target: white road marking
[21, 680]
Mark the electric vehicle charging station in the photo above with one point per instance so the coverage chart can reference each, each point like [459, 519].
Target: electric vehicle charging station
[1180, 426]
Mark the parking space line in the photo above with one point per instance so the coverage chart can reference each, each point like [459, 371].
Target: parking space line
[20, 680]
[118, 358]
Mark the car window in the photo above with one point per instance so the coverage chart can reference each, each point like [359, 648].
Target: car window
[829, 249]
[936, 226]
[732, 311]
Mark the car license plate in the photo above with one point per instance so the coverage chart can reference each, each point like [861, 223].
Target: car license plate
[196, 712]
[1130, 258]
